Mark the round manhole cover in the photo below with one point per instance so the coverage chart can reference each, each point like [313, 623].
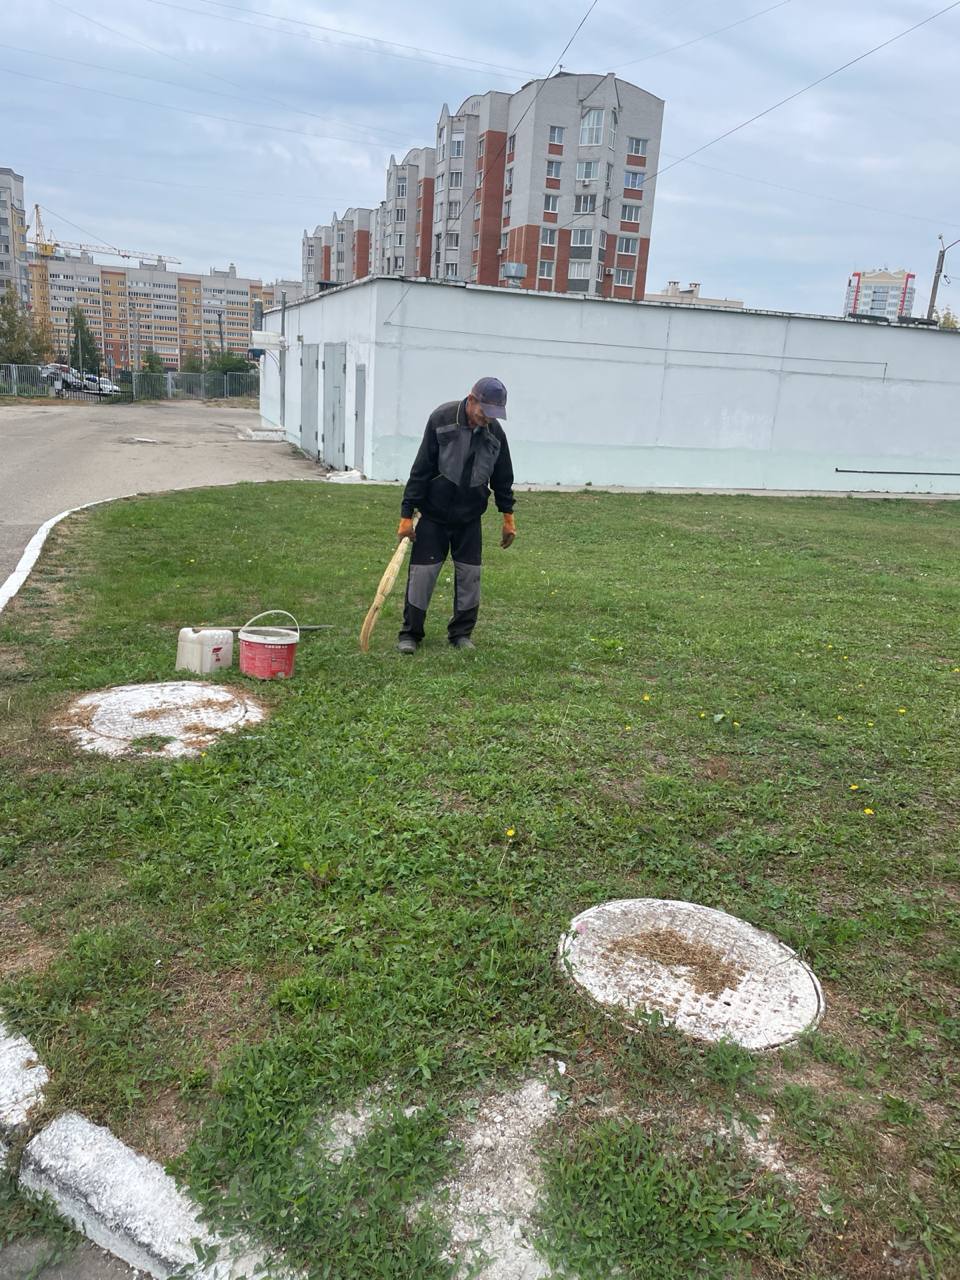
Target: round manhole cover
[711, 975]
[176, 718]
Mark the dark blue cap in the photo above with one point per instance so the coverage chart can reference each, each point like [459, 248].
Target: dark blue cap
[492, 395]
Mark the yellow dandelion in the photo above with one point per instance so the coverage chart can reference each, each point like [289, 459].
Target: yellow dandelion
[736, 724]
[869, 724]
[829, 646]
[703, 715]
[511, 831]
[854, 786]
[628, 728]
[839, 717]
[846, 658]
[956, 668]
[868, 812]
[646, 697]
[901, 711]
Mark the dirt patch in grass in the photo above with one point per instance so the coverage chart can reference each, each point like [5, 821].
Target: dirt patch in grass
[718, 769]
[164, 1128]
[22, 949]
[710, 972]
[220, 1010]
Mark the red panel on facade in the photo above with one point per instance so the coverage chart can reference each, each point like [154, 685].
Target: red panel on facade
[629, 226]
[639, 161]
[563, 260]
[554, 148]
[361, 254]
[490, 208]
[643, 256]
[550, 217]
[425, 227]
[553, 184]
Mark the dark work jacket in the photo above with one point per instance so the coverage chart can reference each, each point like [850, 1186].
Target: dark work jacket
[456, 467]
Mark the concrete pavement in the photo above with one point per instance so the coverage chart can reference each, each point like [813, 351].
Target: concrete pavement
[65, 454]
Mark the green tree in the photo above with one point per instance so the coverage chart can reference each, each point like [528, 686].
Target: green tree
[21, 339]
[84, 352]
[192, 363]
[151, 362]
[948, 320]
[226, 362]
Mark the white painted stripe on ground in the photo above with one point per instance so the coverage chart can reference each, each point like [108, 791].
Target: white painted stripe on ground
[33, 548]
[22, 1079]
[126, 1203]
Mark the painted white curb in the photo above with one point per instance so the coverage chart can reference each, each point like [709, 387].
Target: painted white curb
[22, 1079]
[33, 548]
[126, 1203]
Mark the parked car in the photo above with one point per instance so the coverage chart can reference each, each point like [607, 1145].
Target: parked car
[91, 382]
[109, 388]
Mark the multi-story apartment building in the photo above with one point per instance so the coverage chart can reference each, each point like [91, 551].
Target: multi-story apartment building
[880, 293]
[13, 235]
[691, 297]
[545, 189]
[339, 251]
[132, 310]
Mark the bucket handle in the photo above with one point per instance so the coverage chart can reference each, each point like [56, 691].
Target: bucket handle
[267, 613]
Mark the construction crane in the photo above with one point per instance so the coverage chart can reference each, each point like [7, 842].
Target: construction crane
[47, 245]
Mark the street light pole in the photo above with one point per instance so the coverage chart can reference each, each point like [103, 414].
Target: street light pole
[937, 274]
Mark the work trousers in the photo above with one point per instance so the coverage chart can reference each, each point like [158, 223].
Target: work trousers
[434, 540]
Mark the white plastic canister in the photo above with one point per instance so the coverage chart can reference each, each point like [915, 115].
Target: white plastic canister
[204, 649]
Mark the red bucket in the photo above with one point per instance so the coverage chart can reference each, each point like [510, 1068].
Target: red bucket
[268, 652]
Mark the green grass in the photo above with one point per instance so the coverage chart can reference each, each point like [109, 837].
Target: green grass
[671, 696]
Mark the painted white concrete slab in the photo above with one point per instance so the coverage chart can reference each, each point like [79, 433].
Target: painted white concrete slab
[126, 1203]
[189, 714]
[713, 976]
[22, 1081]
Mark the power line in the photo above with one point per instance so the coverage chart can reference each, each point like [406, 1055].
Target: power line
[295, 35]
[184, 111]
[359, 35]
[789, 98]
[162, 53]
[659, 53]
[216, 93]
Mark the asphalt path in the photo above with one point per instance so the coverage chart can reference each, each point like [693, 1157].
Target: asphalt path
[61, 455]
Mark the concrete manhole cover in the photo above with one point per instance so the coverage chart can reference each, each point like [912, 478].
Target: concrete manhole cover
[710, 974]
[177, 718]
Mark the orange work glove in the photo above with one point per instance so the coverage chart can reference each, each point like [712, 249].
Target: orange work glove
[509, 531]
[405, 529]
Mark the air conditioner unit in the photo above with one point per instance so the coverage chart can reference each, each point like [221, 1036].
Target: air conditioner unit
[585, 182]
[608, 271]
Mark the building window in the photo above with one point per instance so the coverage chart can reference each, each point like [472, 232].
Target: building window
[606, 207]
[438, 211]
[478, 179]
[440, 181]
[401, 215]
[399, 239]
[504, 239]
[511, 143]
[508, 181]
[603, 241]
[548, 235]
[398, 264]
[401, 188]
[556, 134]
[627, 244]
[480, 145]
[633, 179]
[453, 239]
[551, 204]
[340, 255]
[441, 143]
[545, 270]
[456, 179]
[636, 146]
[588, 170]
[451, 270]
[623, 275]
[579, 270]
[609, 172]
[553, 168]
[585, 204]
[453, 209]
[600, 269]
[613, 130]
[506, 209]
[630, 213]
[591, 128]
[456, 146]
[473, 272]
[582, 237]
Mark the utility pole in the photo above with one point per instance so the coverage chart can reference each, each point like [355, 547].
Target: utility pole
[283, 357]
[936, 276]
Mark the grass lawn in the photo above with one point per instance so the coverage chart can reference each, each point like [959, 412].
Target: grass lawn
[747, 703]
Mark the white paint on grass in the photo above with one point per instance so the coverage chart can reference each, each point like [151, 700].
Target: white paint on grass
[340, 1133]
[127, 1204]
[175, 718]
[768, 999]
[22, 1080]
[491, 1199]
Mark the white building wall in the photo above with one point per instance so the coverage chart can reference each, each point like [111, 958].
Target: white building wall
[648, 395]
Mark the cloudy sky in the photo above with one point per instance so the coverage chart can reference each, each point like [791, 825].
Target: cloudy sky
[216, 130]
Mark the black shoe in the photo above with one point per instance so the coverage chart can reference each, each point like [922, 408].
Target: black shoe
[463, 642]
[406, 644]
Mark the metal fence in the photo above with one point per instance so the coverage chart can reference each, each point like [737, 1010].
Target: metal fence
[30, 381]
